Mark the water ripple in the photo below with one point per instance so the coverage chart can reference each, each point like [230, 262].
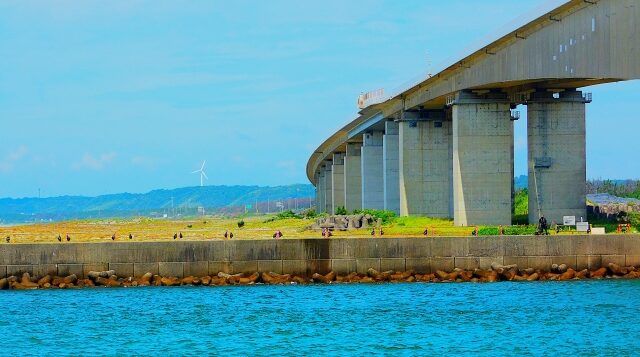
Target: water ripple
[373, 319]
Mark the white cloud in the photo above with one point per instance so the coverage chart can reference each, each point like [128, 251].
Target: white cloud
[90, 162]
[8, 162]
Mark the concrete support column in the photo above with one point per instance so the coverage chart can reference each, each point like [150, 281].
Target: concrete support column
[372, 171]
[426, 150]
[353, 177]
[322, 190]
[337, 181]
[557, 156]
[328, 185]
[391, 166]
[482, 159]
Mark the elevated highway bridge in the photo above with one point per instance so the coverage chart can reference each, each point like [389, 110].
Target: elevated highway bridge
[443, 146]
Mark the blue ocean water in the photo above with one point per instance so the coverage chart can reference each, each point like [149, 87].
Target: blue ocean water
[542, 318]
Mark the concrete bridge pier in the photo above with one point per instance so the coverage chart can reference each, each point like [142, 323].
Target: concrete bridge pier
[556, 156]
[391, 157]
[353, 177]
[328, 186]
[321, 190]
[482, 158]
[426, 164]
[372, 171]
[337, 181]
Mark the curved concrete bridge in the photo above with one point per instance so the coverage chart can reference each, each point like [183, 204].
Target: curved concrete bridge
[444, 146]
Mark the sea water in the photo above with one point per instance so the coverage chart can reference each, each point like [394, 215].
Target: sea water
[541, 318]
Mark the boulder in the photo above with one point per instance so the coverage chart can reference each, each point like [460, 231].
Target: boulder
[299, 279]
[188, 280]
[100, 281]
[599, 274]
[442, 275]
[325, 279]
[466, 275]
[486, 275]
[519, 278]
[366, 280]
[56, 281]
[617, 269]
[19, 286]
[379, 276]
[27, 283]
[4, 284]
[401, 275]
[218, 281]
[44, 280]
[273, 278]
[567, 275]
[348, 278]
[146, 278]
[167, 281]
[425, 277]
[582, 274]
[533, 277]
[248, 280]
[106, 274]
[71, 279]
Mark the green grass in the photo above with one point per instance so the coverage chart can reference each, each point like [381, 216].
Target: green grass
[521, 207]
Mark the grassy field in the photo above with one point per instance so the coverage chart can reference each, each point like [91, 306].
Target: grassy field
[213, 228]
[261, 227]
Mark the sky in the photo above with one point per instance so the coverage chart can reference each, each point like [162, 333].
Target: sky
[103, 97]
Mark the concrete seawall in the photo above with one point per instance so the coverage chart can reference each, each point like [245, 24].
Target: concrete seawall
[307, 256]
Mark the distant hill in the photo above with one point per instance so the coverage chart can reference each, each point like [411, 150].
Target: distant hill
[179, 201]
[521, 182]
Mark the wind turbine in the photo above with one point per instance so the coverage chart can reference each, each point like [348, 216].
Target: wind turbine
[202, 174]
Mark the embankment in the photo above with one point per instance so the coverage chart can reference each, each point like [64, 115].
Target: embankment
[308, 256]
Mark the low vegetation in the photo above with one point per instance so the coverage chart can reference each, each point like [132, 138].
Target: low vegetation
[620, 188]
[292, 224]
[521, 207]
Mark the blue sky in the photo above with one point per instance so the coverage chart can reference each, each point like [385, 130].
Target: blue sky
[105, 97]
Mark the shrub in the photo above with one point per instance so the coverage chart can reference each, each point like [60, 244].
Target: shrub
[241, 223]
[341, 211]
[634, 219]
[385, 216]
[309, 213]
[508, 230]
[288, 214]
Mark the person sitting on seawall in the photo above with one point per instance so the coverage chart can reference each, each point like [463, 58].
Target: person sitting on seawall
[277, 234]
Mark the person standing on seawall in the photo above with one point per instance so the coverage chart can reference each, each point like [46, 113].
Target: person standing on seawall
[543, 226]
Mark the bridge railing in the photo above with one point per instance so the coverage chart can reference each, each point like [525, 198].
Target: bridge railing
[371, 98]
